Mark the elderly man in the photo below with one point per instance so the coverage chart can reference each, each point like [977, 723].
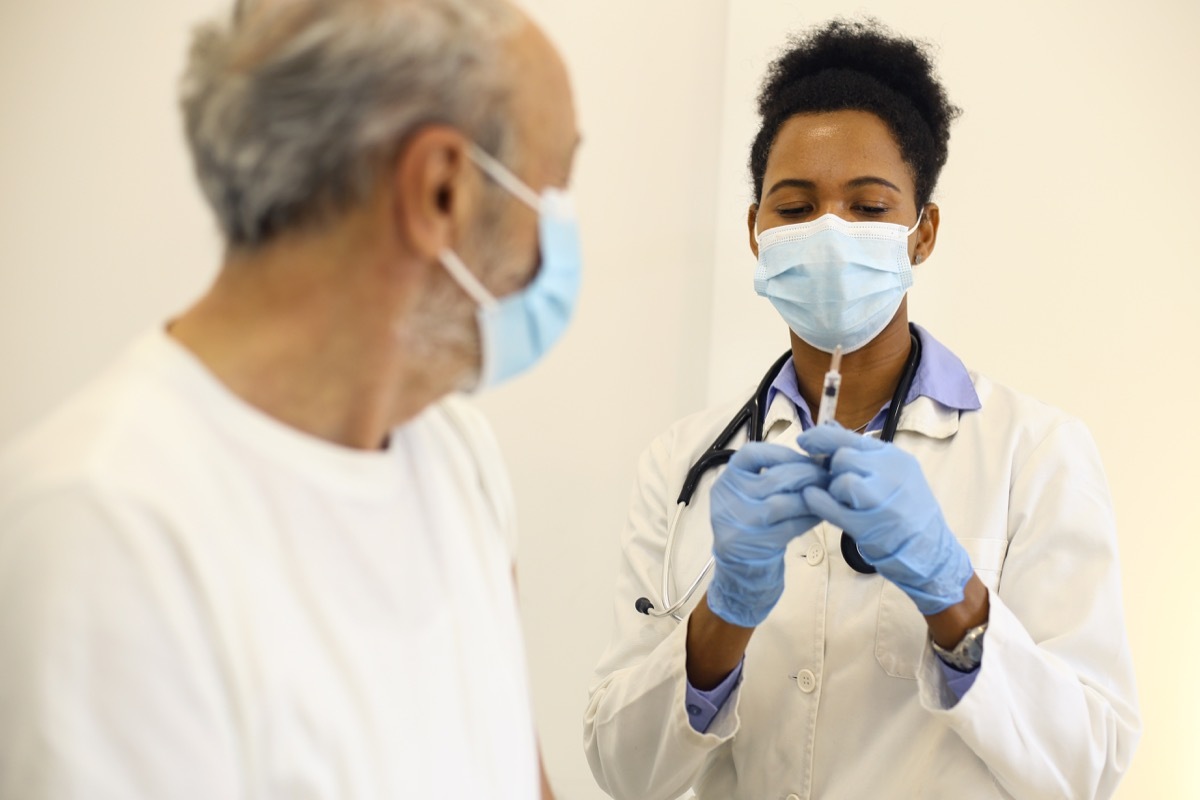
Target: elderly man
[268, 553]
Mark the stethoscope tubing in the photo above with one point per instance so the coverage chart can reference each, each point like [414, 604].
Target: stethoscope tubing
[672, 609]
[752, 415]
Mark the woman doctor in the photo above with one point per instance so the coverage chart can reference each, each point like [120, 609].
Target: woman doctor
[985, 656]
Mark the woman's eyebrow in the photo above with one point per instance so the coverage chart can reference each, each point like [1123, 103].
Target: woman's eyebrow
[871, 180]
[796, 183]
[854, 183]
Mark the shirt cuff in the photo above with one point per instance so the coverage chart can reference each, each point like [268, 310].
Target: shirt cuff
[702, 706]
[958, 682]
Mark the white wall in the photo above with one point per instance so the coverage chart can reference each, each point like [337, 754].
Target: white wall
[635, 359]
[102, 232]
[1062, 268]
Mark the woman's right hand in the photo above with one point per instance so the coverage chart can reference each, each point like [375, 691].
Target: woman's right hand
[757, 508]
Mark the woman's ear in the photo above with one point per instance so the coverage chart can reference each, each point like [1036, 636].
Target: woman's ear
[926, 234]
[752, 226]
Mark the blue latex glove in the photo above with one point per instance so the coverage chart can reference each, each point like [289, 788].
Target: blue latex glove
[878, 494]
[756, 509]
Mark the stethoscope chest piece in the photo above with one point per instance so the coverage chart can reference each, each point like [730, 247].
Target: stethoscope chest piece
[855, 558]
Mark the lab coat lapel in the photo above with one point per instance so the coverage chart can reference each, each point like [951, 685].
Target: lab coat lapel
[780, 415]
[929, 418]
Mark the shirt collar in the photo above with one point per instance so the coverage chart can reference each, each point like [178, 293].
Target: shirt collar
[940, 376]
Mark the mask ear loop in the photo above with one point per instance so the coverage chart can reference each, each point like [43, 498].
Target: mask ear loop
[466, 279]
[504, 176]
[913, 229]
[519, 189]
[919, 258]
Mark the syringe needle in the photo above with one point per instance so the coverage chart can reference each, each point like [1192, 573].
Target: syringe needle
[827, 410]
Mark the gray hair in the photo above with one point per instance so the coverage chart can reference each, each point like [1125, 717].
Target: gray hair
[292, 107]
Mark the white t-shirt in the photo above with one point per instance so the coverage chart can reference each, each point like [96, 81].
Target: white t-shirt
[197, 601]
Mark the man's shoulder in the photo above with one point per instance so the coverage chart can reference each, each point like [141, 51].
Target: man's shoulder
[456, 419]
[68, 497]
[464, 416]
[120, 424]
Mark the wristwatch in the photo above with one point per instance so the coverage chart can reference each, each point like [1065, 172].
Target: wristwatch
[967, 655]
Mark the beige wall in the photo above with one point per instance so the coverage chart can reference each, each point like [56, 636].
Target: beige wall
[1061, 269]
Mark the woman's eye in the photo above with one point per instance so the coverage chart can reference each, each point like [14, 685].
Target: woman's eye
[794, 211]
[872, 210]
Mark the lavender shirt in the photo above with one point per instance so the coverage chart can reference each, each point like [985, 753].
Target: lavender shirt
[941, 377]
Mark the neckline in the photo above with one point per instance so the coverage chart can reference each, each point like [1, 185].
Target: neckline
[319, 460]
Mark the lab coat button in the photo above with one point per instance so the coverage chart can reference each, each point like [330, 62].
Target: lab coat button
[815, 554]
[793, 797]
[806, 680]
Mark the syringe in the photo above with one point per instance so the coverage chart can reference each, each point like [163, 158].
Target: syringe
[827, 412]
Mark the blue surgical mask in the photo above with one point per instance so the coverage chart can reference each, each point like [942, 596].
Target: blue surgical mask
[835, 282]
[517, 330]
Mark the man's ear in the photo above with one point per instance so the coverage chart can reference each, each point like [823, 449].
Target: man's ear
[752, 226]
[434, 188]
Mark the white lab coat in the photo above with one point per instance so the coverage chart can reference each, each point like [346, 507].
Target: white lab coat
[841, 695]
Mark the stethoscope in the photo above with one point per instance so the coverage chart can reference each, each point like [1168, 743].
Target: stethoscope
[752, 415]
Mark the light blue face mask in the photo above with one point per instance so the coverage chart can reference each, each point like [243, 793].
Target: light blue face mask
[835, 282]
[517, 330]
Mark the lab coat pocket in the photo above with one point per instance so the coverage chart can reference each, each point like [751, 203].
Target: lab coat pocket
[900, 633]
[987, 559]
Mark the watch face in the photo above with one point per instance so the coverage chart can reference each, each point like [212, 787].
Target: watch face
[973, 655]
[967, 655]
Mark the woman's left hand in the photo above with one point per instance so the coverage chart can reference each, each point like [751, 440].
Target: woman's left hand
[878, 494]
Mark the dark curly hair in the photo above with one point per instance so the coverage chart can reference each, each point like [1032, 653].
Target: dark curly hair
[860, 66]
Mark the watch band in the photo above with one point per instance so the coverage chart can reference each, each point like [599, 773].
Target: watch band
[967, 655]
